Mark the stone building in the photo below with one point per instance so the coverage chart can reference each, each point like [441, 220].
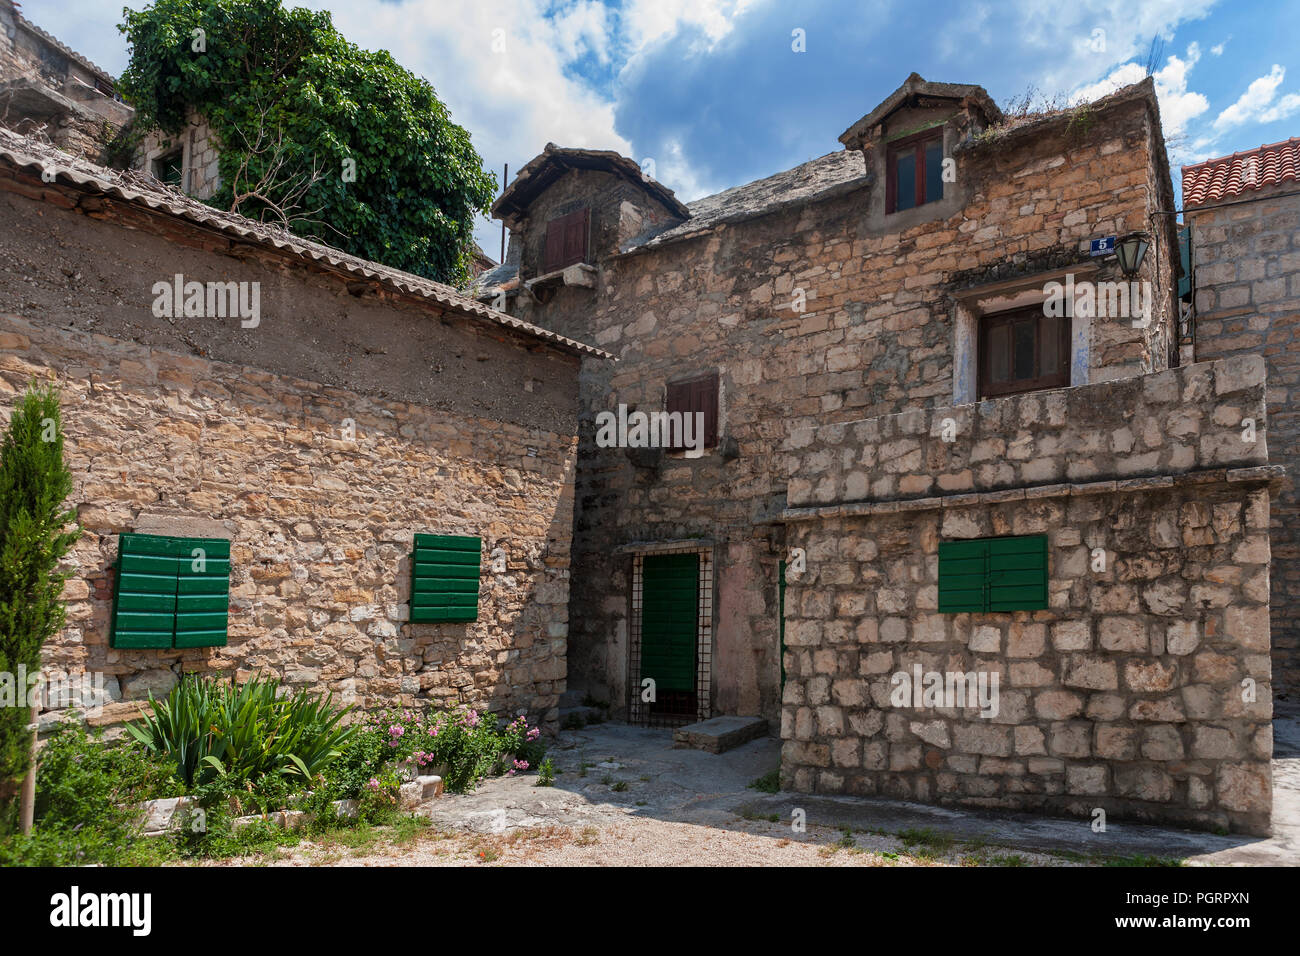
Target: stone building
[1243, 215]
[49, 89]
[310, 436]
[917, 462]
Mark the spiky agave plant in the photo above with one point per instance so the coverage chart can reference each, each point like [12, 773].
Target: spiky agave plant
[211, 728]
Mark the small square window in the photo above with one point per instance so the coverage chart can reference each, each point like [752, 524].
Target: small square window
[445, 577]
[171, 592]
[170, 168]
[993, 574]
[914, 171]
[696, 395]
[1023, 350]
[566, 240]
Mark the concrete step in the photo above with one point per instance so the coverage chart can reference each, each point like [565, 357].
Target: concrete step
[720, 734]
[579, 716]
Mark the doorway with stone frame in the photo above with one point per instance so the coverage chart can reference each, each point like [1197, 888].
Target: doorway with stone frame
[670, 651]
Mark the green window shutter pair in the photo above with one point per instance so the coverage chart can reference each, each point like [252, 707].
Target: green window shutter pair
[171, 592]
[993, 574]
[444, 578]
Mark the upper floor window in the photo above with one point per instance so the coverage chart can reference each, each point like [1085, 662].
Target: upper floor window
[696, 395]
[566, 240]
[914, 171]
[1023, 350]
[170, 168]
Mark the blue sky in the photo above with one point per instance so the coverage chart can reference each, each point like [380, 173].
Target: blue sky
[713, 92]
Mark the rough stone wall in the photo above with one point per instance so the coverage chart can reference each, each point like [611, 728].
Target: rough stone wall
[1247, 269]
[1159, 425]
[321, 524]
[1127, 692]
[89, 119]
[877, 338]
[462, 427]
[90, 264]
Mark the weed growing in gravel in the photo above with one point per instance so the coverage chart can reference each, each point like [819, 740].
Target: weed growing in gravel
[926, 843]
[546, 774]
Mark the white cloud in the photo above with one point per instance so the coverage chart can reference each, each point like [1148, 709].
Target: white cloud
[1252, 105]
[1089, 38]
[1217, 49]
[645, 21]
[1178, 105]
[1281, 109]
[581, 28]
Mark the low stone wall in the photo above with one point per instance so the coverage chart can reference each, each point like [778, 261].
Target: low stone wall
[1170, 422]
[1143, 690]
[320, 519]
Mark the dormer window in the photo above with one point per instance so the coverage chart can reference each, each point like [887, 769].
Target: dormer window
[914, 171]
[566, 240]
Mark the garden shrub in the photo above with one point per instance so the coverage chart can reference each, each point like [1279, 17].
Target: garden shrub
[87, 796]
[464, 745]
[215, 729]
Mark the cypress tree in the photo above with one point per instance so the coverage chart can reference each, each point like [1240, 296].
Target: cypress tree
[34, 483]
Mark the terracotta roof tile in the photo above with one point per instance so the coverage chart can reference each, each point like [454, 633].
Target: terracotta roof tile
[1227, 177]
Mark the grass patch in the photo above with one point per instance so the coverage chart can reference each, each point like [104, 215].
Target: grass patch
[925, 843]
[768, 783]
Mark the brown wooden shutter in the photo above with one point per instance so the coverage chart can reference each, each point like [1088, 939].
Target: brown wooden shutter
[696, 395]
[554, 245]
[575, 236]
[566, 240]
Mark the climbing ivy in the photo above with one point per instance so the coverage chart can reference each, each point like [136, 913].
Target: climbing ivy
[294, 105]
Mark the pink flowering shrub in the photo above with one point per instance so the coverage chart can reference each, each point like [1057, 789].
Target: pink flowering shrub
[463, 745]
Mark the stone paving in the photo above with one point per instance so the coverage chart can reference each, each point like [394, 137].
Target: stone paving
[614, 773]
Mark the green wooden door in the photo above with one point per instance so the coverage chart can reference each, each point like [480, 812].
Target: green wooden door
[670, 613]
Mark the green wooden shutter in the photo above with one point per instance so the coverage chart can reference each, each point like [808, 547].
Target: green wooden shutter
[993, 574]
[445, 578]
[670, 619]
[1018, 573]
[144, 601]
[202, 592]
[1185, 260]
[963, 569]
[163, 600]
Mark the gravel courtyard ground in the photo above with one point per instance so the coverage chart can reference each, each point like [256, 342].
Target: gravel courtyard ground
[624, 796]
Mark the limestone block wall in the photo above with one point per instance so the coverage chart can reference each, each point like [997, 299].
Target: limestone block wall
[877, 337]
[1143, 689]
[1246, 258]
[1170, 422]
[320, 519]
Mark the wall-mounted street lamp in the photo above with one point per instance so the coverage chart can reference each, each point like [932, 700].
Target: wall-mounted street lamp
[1131, 250]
